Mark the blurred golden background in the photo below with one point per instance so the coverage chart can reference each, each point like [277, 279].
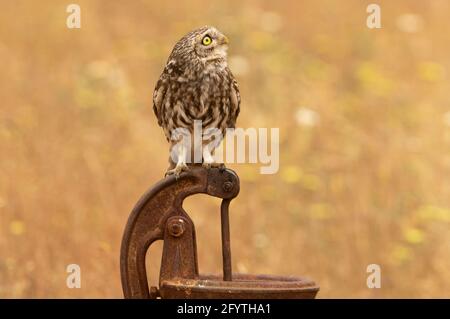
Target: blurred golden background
[364, 118]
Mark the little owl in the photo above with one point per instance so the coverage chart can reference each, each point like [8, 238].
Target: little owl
[196, 85]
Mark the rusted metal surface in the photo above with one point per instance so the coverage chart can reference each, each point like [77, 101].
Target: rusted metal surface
[226, 242]
[243, 286]
[159, 216]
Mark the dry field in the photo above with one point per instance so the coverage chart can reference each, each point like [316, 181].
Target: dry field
[364, 118]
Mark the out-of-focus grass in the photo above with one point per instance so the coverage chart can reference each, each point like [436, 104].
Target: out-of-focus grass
[364, 118]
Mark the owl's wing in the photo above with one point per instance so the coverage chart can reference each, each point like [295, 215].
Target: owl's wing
[235, 99]
[161, 92]
[158, 97]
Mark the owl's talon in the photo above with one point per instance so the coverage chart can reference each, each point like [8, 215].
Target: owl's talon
[220, 166]
[206, 165]
[177, 170]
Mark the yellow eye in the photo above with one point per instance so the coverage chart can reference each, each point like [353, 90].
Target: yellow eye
[206, 40]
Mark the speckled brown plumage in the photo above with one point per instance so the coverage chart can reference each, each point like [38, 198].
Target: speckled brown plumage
[196, 84]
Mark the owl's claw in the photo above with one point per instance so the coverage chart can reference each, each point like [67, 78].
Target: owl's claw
[177, 170]
[207, 165]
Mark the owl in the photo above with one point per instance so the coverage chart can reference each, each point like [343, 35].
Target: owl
[196, 87]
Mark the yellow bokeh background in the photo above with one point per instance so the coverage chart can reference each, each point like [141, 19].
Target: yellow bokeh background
[364, 118]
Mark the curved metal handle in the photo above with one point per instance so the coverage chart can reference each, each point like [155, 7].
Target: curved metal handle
[148, 220]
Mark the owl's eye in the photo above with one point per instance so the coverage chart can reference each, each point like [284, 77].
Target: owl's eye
[206, 40]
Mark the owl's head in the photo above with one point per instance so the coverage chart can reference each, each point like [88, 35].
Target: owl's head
[210, 44]
[206, 44]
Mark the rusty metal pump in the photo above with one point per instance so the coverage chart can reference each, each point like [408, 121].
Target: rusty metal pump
[159, 216]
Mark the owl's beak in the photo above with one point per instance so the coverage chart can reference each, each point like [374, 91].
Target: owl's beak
[224, 40]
